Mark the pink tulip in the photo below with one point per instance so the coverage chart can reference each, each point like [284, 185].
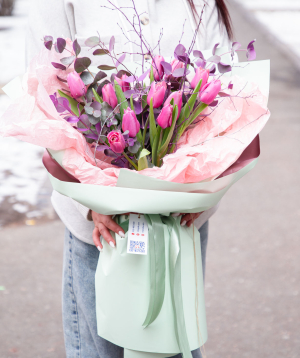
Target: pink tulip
[158, 69]
[201, 74]
[210, 91]
[109, 95]
[124, 85]
[76, 85]
[177, 64]
[130, 122]
[157, 92]
[177, 96]
[116, 141]
[165, 117]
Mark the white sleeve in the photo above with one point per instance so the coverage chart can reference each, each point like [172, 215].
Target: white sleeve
[46, 17]
[84, 211]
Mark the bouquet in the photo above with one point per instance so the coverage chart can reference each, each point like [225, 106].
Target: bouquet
[159, 136]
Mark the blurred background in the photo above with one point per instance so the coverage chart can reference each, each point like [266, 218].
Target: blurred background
[253, 265]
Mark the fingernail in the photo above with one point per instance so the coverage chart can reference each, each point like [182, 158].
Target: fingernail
[112, 244]
[99, 248]
[121, 233]
[175, 214]
[183, 223]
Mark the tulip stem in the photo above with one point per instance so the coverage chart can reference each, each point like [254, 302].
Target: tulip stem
[145, 130]
[130, 161]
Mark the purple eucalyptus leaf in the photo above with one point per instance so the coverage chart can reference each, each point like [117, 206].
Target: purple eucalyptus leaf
[98, 127]
[213, 104]
[48, 38]
[83, 129]
[129, 93]
[199, 54]
[92, 41]
[97, 113]
[120, 59]
[106, 67]
[179, 72]
[101, 148]
[110, 153]
[120, 162]
[200, 63]
[184, 59]
[236, 46]
[99, 76]
[81, 64]
[130, 79]
[76, 47]
[61, 44]
[112, 43]
[87, 78]
[212, 69]
[61, 79]
[123, 72]
[59, 66]
[72, 119]
[223, 94]
[223, 67]
[84, 118]
[96, 106]
[48, 44]
[215, 59]
[251, 54]
[91, 136]
[67, 60]
[230, 86]
[138, 108]
[167, 67]
[215, 48]
[100, 52]
[144, 75]
[179, 51]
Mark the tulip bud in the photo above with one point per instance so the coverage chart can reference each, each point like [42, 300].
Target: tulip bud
[116, 141]
[210, 91]
[177, 96]
[201, 74]
[165, 117]
[158, 69]
[76, 85]
[124, 85]
[130, 123]
[157, 92]
[109, 95]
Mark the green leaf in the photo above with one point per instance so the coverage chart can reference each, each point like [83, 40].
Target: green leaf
[163, 149]
[153, 129]
[139, 137]
[73, 103]
[97, 97]
[155, 145]
[151, 75]
[121, 98]
[131, 102]
[142, 162]
[144, 101]
[188, 107]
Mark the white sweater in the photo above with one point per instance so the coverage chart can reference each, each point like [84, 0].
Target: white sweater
[83, 18]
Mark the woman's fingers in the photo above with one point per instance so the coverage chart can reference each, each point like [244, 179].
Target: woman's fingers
[96, 239]
[113, 226]
[106, 235]
[185, 218]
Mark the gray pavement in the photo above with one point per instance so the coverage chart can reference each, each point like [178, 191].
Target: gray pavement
[253, 266]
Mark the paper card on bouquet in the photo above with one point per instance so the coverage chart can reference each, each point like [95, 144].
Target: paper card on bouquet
[137, 235]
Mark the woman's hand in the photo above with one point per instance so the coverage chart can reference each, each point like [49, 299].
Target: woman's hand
[187, 219]
[104, 223]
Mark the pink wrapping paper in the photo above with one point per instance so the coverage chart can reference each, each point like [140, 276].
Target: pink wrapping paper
[205, 151]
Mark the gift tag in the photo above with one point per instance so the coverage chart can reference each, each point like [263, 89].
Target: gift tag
[137, 235]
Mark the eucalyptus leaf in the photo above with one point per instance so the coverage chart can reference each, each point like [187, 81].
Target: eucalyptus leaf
[100, 52]
[99, 76]
[93, 120]
[87, 78]
[92, 41]
[106, 67]
[134, 149]
[81, 64]
[59, 66]
[67, 60]
[61, 44]
[76, 47]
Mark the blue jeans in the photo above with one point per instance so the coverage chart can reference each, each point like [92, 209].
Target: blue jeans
[79, 310]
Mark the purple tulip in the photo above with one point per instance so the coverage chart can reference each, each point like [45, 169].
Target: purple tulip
[109, 95]
[124, 85]
[177, 96]
[201, 74]
[130, 122]
[76, 85]
[116, 141]
[210, 91]
[157, 92]
[158, 69]
[165, 117]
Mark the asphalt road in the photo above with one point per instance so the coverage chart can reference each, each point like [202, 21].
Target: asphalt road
[253, 266]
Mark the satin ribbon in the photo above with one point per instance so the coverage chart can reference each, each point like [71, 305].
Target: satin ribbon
[156, 246]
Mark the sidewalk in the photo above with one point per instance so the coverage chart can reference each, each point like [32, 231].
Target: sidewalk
[253, 267]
